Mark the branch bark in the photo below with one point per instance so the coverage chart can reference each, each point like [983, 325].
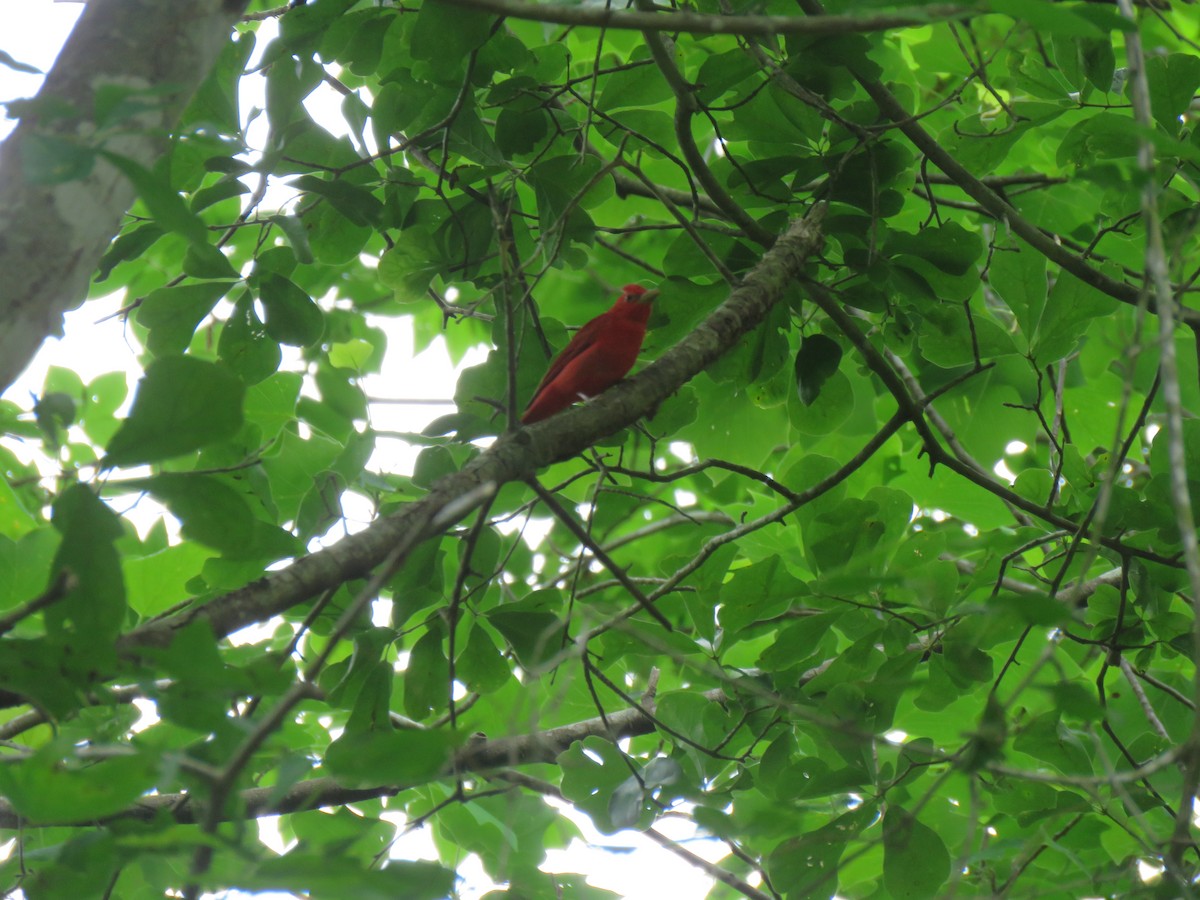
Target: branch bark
[53, 235]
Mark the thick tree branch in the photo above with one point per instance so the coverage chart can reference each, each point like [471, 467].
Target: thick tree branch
[52, 234]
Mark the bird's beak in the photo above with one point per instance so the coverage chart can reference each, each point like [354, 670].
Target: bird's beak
[648, 297]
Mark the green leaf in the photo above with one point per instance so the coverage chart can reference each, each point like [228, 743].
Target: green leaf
[427, 679]
[25, 563]
[816, 360]
[224, 189]
[915, 860]
[165, 204]
[245, 347]
[157, 582]
[47, 160]
[213, 513]
[328, 875]
[293, 229]
[44, 790]
[292, 317]
[271, 404]
[1085, 62]
[352, 355]
[520, 131]
[181, 405]
[333, 239]
[432, 464]
[629, 87]
[1019, 277]
[949, 247]
[92, 609]
[207, 261]
[594, 772]
[445, 36]
[54, 411]
[1174, 80]
[296, 468]
[807, 866]
[129, 246]
[1097, 138]
[535, 637]
[399, 758]
[409, 267]
[1072, 304]
[759, 591]
[1049, 18]
[357, 204]
[172, 314]
[480, 665]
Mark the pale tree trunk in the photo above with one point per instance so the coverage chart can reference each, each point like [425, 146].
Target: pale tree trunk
[53, 234]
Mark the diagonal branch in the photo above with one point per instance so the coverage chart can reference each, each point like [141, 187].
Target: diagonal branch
[597, 551]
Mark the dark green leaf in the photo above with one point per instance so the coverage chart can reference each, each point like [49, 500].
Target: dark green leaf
[245, 346]
[292, 316]
[388, 757]
[87, 568]
[1173, 81]
[165, 204]
[45, 791]
[816, 361]
[129, 246]
[355, 203]
[535, 637]
[427, 683]
[950, 248]
[915, 860]
[181, 405]
[172, 314]
[212, 512]
[409, 267]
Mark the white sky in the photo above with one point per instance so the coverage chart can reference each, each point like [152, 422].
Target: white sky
[93, 344]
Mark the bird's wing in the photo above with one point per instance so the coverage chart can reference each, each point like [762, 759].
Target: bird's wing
[584, 338]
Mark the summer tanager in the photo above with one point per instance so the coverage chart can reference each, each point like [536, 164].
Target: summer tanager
[597, 357]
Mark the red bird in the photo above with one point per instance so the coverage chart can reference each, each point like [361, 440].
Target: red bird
[597, 357]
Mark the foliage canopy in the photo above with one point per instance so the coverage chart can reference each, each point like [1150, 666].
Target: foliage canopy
[912, 487]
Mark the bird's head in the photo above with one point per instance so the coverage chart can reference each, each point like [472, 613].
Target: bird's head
[635, 293]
